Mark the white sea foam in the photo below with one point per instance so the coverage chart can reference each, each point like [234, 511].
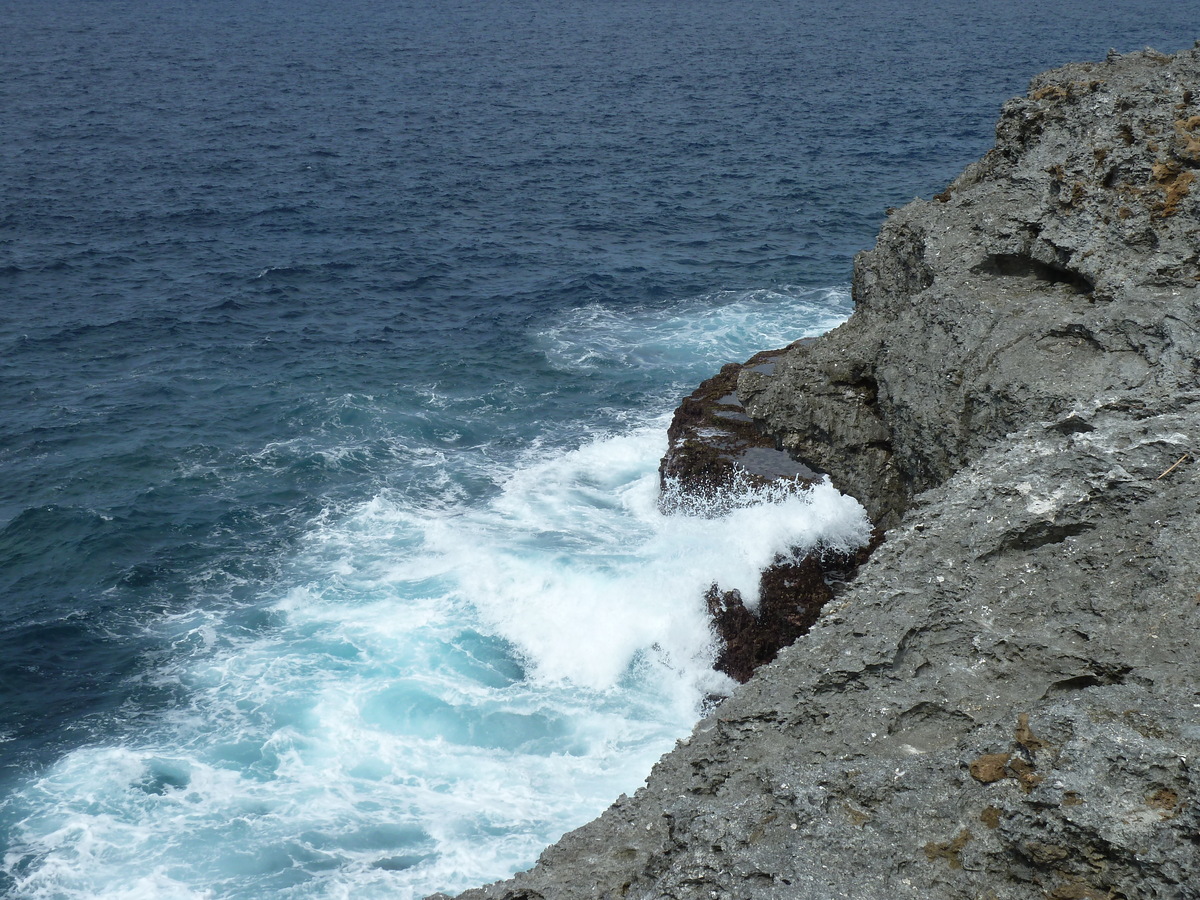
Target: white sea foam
[438, 691]
[444, 694]
[696, 333]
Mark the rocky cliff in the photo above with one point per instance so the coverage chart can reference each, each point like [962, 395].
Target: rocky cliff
[1005, 703]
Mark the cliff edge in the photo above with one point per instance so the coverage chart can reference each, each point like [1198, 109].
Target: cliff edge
[1005, 703]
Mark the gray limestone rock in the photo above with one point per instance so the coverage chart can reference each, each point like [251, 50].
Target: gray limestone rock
[1060, 268]
[1005, 703]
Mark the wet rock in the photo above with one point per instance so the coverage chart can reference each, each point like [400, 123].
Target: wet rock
[717, 455]
[791, 594]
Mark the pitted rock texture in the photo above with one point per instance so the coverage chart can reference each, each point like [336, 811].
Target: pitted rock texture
[1061, 267]
[1005, 702]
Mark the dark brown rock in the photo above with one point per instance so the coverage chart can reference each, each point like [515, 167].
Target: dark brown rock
[717, 455]
[791, 594]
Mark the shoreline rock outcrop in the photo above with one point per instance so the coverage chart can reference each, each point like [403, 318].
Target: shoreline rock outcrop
[716, 451]
[1051, 274]
[1005, 702]
[718, 456]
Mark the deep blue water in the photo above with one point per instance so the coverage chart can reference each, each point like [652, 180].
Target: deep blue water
[336, 345]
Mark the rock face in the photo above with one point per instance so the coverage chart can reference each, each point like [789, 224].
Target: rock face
[1005, 703]
[1054, 274]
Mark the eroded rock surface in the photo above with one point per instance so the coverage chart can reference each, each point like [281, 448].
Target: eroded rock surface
[1059, 269]
[1005, 703]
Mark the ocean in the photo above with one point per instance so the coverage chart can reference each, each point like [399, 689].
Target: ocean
[338, 343]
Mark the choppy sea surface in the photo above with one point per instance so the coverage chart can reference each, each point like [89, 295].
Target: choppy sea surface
[337, 346]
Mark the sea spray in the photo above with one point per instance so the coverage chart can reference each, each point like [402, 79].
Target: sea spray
[718, 327]
[438, 693]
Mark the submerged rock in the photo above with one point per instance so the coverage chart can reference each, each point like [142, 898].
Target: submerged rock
[1005, 702]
